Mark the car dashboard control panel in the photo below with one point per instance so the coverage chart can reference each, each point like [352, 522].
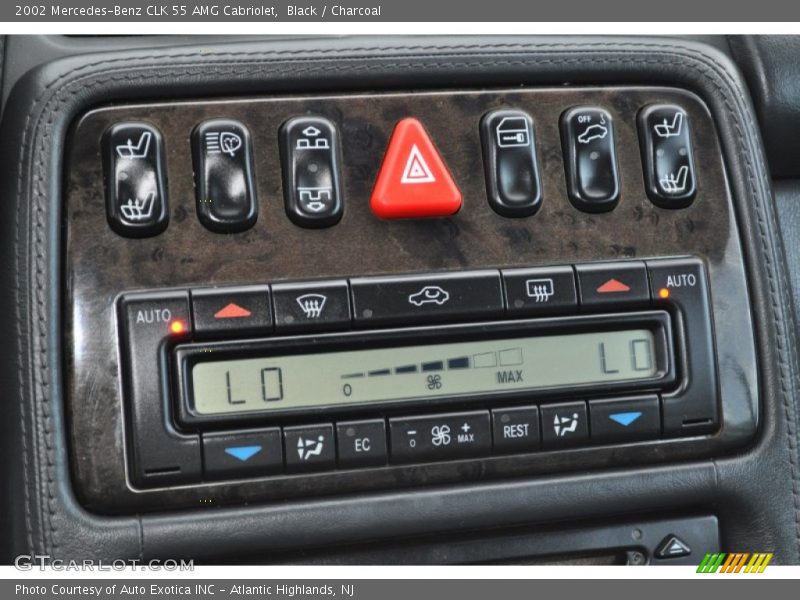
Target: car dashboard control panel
[262, 380]
[288, 297]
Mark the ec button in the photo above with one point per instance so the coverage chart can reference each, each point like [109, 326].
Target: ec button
[361, 443]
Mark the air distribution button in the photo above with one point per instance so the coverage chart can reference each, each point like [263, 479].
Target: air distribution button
[414, 181]
[564, 425]
[309, 448]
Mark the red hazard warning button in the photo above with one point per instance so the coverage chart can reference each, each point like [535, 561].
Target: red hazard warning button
[413, 181]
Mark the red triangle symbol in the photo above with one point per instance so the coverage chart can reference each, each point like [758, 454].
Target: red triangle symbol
[613, 286]
[413, 181]
[232, 311]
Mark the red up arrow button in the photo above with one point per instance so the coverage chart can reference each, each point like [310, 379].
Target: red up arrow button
[413, 181]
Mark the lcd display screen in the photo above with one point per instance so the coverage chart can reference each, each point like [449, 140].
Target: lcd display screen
[413, 373]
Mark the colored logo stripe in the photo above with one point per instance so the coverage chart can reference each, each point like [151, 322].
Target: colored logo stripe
[735, 562]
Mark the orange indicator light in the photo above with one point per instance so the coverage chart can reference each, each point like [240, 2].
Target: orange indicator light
[663, 293]
[177, 327]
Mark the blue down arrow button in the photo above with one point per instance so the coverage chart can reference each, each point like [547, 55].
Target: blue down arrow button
[243, 453]
[625, 418]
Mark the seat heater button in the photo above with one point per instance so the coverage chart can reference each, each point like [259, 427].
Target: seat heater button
[136, 190]
[667, 155]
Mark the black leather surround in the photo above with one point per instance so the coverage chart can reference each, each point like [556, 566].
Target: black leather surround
[756, 494]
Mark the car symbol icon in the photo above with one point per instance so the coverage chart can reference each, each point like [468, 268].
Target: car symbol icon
[593, 132]
[430, 294]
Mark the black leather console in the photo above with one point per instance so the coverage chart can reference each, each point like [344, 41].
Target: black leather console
[748, 487]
